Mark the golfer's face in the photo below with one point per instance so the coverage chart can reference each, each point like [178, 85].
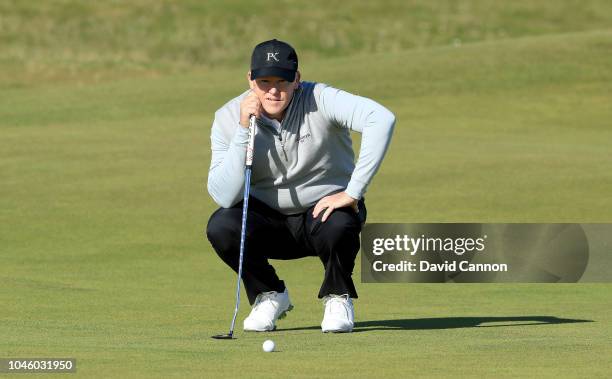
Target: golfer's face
[275, 94]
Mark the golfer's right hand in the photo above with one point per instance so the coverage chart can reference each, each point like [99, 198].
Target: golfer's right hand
[250, 105]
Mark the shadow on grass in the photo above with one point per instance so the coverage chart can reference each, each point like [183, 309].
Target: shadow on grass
[453, 323]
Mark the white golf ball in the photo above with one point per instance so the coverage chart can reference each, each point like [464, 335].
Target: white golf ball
[268, 346]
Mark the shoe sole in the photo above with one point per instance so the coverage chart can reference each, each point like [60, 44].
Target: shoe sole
[338, 331]
[281, 316]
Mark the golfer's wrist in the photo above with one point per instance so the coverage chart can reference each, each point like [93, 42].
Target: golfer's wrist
[355, 189]
[244, 123]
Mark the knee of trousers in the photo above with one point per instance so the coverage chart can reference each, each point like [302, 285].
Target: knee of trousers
[223, 232]
[339, 232]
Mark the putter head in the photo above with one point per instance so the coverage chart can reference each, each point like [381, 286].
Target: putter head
[229, 336]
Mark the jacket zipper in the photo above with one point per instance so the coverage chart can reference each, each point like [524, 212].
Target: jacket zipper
[280, 133]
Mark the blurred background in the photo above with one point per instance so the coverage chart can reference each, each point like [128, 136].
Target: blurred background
[59, 40]
[503, 115]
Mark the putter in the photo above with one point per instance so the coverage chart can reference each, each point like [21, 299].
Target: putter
[245, 206]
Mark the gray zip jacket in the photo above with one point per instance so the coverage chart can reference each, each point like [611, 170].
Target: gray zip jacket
[307, 156]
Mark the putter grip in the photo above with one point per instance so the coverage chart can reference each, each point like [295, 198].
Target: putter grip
[251, 143]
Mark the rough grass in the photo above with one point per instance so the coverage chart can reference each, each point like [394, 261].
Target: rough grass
[103, 206]
[60, 40]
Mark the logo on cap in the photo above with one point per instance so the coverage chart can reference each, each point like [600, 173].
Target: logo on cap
[273, 55]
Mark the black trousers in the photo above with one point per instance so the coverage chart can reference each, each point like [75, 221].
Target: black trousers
[272, 235]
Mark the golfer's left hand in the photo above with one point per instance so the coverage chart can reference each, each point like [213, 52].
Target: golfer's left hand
[332, 202]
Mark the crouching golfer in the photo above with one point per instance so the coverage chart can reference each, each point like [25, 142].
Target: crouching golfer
[306, 194]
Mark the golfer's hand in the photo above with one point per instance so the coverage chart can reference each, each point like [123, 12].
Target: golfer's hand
[249, 105]
[329, 203]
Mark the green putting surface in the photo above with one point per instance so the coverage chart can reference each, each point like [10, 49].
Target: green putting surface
[104, 157]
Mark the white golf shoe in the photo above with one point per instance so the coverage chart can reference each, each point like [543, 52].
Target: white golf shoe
[268, 307]
[339, 314]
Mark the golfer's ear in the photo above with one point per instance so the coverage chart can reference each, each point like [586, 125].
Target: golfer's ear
[251, 83]
[298, 76]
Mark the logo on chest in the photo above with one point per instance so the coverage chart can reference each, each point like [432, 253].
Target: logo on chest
[304, 138]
